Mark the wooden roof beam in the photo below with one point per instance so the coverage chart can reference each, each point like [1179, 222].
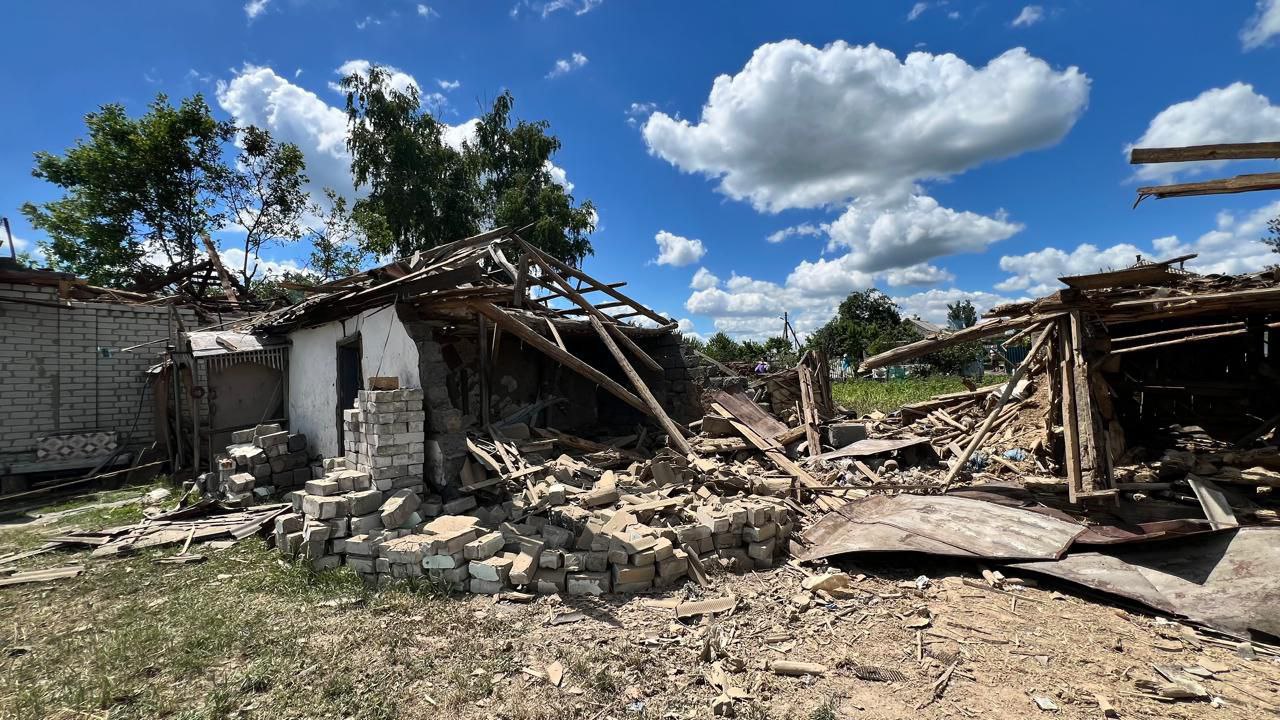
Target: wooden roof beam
[1225, 186]
[1194, 153]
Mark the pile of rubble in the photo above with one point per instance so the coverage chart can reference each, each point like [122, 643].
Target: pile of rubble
[261, 463]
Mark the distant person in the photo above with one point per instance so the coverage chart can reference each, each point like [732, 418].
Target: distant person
[762, 367]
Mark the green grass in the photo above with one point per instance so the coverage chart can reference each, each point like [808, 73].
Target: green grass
[863, 396]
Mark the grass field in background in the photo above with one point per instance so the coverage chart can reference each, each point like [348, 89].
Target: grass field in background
[863, 396]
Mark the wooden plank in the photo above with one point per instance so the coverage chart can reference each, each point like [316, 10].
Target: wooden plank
[555, 352]
[675, 433]
[1176, 331]
[1223, 186]
[484, 456]
[938, 342]
[1070, 429]
[764, 424]
[809, 414]
[1180, 341]
[776, 456]
[556, 334]
[606, 289]
[600, 306]
[521, 286]
[590, 309]
[482, 326]
[41, 575]
[1092, 471]
[1193, 153]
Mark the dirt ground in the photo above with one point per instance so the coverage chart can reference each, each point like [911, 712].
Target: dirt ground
[245, 635]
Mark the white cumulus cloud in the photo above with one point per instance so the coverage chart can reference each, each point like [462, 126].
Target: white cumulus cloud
[1262, 26]
[1030, 15]
[427, 11]
[1233, 114]
[569, 64]
[895, 232]
[922, 274]
[399, 79]
[1233, 246]
[448, 85]
[677, 251]
[932, 305]
[801, 126]
[703, 279]
[258, 96]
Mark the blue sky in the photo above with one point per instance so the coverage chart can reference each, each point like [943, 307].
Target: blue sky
[936, 150]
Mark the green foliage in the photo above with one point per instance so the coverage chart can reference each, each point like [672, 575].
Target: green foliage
[778, 351]
[424, 192]
[141, 193]
[264, 194]
[961, 314]
[419, 186]
[337, 248]
[866, 320]
[516, 187]
[1273, 234]
[865, 395]
[722, 347]
[134, 187]
[693, 343]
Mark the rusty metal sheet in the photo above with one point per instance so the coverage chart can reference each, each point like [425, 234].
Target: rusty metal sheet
[873, 446]
[1228, 581]
[940, 525]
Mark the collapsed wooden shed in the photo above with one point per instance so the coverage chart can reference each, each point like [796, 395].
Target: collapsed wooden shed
[1142, 360]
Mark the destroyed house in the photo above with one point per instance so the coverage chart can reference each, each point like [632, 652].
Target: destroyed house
[1142, 361]
[495, 333]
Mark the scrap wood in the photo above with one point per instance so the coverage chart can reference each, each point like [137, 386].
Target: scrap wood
[796, 669]
[33, 576]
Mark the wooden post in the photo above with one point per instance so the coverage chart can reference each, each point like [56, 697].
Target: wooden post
[484, 369]
[1092, 471]
[1070, 429]
[674, 432]
[808, 415]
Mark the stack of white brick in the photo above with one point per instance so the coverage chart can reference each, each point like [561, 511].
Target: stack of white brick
[385, 437]
[262, 462]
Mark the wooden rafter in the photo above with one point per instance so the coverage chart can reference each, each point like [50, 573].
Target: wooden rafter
[1225, 186]
[1193, 153]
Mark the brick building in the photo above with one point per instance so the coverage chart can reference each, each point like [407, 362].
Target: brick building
[65, 373]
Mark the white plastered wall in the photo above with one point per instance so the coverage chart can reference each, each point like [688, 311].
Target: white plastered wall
[386, 349]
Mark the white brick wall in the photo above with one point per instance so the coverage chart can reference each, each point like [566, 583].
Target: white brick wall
[54, 379]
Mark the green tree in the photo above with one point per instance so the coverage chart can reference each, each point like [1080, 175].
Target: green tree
[264, 194]
[961, 314]
[134, 189]
[1273, 234]
[424, 192]
[336, 248]
[780, 352]
[865, 320]
[517, 190]
[419, 186]
[723, 348]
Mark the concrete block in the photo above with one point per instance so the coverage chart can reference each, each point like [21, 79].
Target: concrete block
[557, 537]
[525, 563]
[364, 502]
[762, 551]
[323, 488]
[484, 547]
[398, 508]
[550, 560]
[459, 505]
[630, 574]
[549, 582]
[495, 569]
[323, 508]
[368, 523]
[444, 562]
[842, 434]
[587, 583]
[240, 483]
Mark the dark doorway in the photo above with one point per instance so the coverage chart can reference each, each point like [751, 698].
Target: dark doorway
[348, 382]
